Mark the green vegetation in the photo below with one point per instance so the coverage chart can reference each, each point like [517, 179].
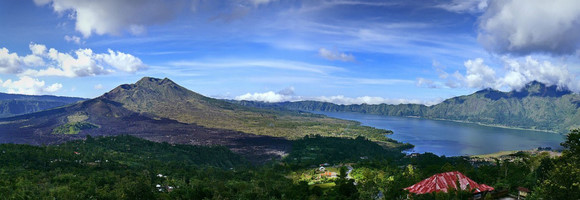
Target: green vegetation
[535, 107]
[560, 178]
[73, 128]
[314, 149]
[125, 167]
[166, 99]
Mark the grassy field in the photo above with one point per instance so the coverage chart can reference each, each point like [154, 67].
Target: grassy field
[495, 155]
[508, 153]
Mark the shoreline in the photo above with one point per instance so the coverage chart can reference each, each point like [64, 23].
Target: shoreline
[458, 121]
[506, 153]
[491, 125]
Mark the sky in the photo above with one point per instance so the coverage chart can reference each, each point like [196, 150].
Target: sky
[340, 51]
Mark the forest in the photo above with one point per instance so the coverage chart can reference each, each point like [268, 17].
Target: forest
[127, 167]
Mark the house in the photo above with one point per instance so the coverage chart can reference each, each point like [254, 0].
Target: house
[523, 192]
[413, 155]
[442, 182]
[328, 175]
[321, 168]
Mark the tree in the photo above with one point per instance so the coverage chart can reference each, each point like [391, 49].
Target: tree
[343, 171]
[563, 180]
[572, 143]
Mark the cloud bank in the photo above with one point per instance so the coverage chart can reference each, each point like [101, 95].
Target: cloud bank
[30, 86]
[522, 27]
[285, 96]
[80, 63]
[517, 72]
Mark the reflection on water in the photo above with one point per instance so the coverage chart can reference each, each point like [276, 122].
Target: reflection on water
[454, 138]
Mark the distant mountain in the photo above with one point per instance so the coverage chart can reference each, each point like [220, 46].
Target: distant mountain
[163, 111]
[536, 106]
[18, 104]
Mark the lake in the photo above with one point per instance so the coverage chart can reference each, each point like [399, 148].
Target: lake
[454, 138]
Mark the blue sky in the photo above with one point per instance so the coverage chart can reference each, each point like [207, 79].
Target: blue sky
[343, 51]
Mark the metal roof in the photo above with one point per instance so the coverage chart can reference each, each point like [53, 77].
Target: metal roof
[443, 181]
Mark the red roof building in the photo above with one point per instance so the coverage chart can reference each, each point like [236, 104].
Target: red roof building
[443, 181]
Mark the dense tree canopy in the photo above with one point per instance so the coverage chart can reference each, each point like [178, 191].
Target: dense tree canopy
[125, 167]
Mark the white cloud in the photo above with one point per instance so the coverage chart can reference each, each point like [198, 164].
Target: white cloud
[98, 86]
[259, 2]
[531, 26]
[9, 62]
[74, 39]
[28, 85]
[122, 61]
[33, 61]
[114, 16]
[462, 6]
[423, 82]
[37, 49]
[340, 99]
[274, 97]
[335, 55]
[82, 62]
[264, 97]
[478, 75]
[286, 94]
[517, 72]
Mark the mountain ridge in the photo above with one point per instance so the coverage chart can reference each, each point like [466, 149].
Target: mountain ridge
[18, 104]
[535, 107]
[534, 88]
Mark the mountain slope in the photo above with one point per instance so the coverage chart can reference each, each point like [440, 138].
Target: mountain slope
[164, 98]
[111, 118]
[536, 106]
[533, 107]
[162, 111]
[17, 104]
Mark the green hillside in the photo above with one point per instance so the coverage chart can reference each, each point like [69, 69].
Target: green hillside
[166, 99]
[537, 107]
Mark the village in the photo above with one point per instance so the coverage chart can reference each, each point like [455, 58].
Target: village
[324, 175]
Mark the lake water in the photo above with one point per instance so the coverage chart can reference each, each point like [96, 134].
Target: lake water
[454, 138]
